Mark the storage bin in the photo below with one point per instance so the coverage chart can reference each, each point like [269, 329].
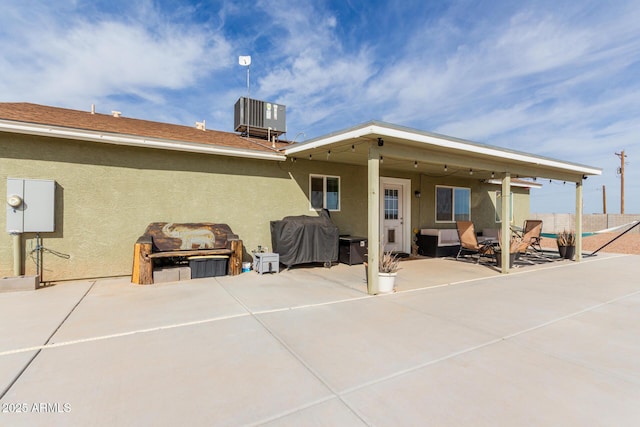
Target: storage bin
[208, 266]
[352, 249]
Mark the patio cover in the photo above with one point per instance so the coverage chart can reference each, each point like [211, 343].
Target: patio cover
[404, 148]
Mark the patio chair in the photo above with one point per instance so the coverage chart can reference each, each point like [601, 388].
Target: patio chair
[531, 236]
[469, 241]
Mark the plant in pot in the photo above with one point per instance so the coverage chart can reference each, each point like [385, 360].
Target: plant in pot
[566, 241]
[515, 244]
[387, 272]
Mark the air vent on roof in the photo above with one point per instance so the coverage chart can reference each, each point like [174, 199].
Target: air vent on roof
[116, 113]
[259, 118]
[201, 125]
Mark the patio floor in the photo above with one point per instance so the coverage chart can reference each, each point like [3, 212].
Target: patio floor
[458, 344]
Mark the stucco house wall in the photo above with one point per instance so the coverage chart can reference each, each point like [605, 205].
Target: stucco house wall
[483, 202]
[106, 195]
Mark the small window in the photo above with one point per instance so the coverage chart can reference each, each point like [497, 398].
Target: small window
[453, 204]
[391, 203]
[499, 206]
[324, 192]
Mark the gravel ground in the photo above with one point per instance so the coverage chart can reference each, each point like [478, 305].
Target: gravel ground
[627, 244]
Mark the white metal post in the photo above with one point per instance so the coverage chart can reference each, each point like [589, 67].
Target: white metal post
[373, 201]
[579, 221]
[505, 238]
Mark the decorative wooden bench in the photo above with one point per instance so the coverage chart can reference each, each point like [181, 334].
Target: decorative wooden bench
[166, 240]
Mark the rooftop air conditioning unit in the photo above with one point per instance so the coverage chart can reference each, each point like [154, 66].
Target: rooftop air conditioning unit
[259, 118]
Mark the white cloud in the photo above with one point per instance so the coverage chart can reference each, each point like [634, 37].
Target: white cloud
[82, 59]
[314, 75]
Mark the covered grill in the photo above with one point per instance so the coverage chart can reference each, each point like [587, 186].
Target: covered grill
[304, 239]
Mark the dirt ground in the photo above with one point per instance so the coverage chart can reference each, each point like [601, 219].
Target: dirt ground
[626, 244]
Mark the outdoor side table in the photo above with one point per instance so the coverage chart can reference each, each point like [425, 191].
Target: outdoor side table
[352, 249]
[266, 262]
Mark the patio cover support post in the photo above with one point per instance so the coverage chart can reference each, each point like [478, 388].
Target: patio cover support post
[579, 221]
[505, 232]
[373, 201]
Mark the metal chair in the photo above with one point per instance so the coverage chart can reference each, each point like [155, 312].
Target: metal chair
[469, 241]
[531, 236]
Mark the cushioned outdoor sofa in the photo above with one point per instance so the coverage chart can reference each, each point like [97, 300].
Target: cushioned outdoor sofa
[438, 242]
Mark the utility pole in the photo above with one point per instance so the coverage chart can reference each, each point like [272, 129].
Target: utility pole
[622, 156]
[604, 199]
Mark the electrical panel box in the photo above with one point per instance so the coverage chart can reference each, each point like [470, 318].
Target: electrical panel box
[260, 118]
[30, 205]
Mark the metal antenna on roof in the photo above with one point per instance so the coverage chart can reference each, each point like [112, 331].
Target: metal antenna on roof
[246, 62]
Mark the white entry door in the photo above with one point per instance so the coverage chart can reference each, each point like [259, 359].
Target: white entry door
[393, 207]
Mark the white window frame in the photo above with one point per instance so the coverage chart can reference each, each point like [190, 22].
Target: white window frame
[499, 208]
[453, 203]
[324, 192]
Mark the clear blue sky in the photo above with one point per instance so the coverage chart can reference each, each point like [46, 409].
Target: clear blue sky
[555, 78]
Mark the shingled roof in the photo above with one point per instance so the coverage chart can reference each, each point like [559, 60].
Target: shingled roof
[106, 123]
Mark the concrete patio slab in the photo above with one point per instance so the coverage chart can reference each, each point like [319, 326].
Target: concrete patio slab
[423, 273]
[351, 343]
[499, 385]
[29, 319]
[330, 413]
[604, 339]
[296, 287]
[115, 306]
[551, 345]
[229, 372]
[506, 304]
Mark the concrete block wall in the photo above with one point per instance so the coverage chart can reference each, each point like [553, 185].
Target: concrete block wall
[555, 222]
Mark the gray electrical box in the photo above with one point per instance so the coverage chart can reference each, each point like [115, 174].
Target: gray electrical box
[30, 205]
[260, 118]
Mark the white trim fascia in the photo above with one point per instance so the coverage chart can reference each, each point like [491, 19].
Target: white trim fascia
[515, 184]
[458, 145]
[352, 134]
[134, 141]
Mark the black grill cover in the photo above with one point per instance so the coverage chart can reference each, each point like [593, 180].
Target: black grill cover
[303, 239]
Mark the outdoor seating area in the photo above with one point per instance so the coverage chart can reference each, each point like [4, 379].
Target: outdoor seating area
[484, 247]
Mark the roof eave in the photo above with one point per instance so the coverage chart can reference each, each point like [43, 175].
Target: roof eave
[375, 129]
[133, 141]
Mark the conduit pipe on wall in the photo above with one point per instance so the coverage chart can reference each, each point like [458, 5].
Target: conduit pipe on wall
[17, 254]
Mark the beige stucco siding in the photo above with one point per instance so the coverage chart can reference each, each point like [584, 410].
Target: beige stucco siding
[106, 196]
[483, 202]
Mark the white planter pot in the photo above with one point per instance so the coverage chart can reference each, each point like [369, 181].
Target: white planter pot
[386, 282]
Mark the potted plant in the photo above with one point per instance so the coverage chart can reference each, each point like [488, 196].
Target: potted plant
[566, 241]
[387, 272]
[514, 251]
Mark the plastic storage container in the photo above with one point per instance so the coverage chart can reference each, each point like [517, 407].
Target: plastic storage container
[208, 266]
